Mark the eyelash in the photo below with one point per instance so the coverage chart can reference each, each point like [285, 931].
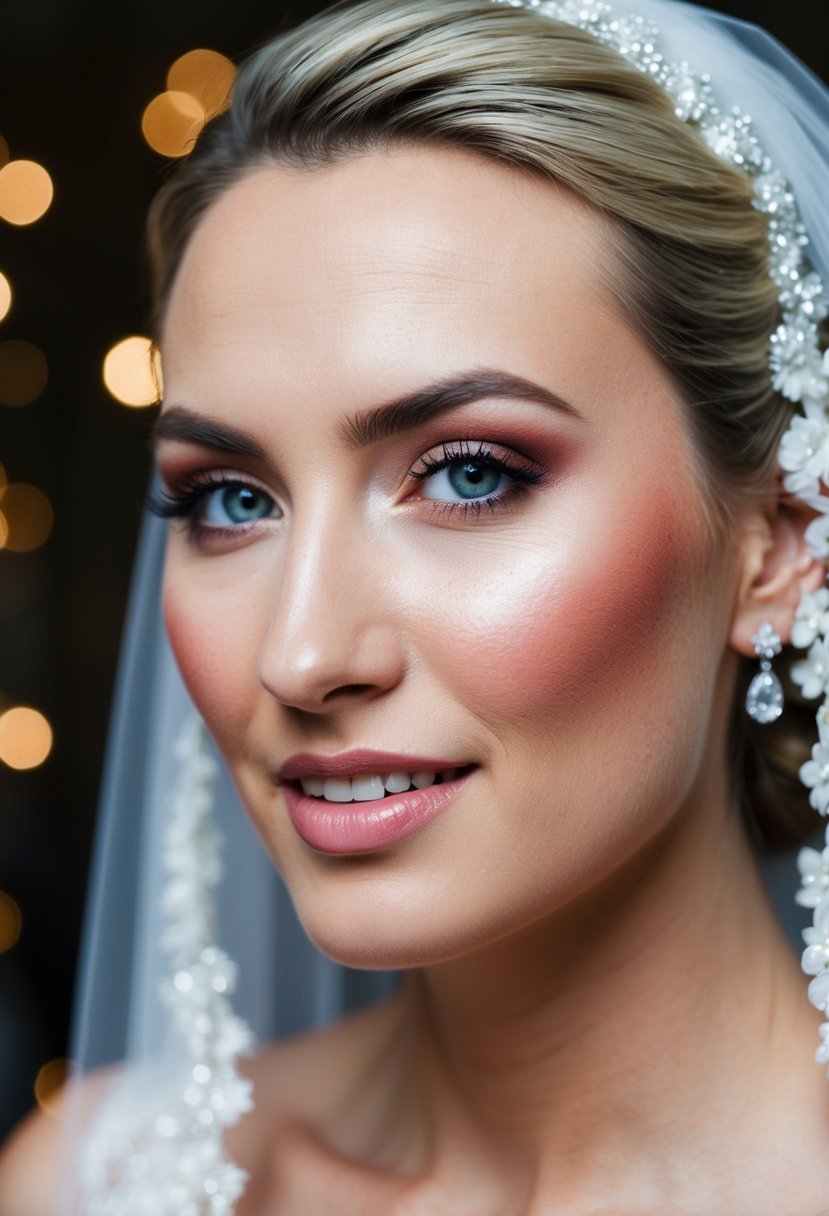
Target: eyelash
[523, 477]
[183, 500]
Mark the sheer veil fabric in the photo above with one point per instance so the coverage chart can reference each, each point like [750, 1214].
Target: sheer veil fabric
[284, 983]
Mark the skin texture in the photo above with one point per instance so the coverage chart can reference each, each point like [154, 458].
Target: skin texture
[579, 647]
[305, 297]
[602, 1017]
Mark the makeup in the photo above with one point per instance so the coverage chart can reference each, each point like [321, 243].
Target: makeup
[366, 827]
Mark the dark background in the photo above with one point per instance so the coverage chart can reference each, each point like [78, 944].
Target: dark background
[75, 76]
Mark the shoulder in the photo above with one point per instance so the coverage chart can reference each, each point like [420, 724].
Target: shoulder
[29, 1161]
[302, 1083]
[28, 1166]
[320, 1099]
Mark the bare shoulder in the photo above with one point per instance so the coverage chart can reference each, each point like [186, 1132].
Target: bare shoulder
[28, 1165]
[307, 1080]
[301, 1085]
[320, 1103]
[30, 1159]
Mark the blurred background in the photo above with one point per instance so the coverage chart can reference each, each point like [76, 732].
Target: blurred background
[97, 101]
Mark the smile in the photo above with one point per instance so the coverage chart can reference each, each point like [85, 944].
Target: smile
[375, 786]
[370, 824]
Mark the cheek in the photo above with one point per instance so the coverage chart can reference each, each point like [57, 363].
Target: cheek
[593, 633]
[212, 638]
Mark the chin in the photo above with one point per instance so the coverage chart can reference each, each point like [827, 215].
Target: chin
[374, 917]
[380, 950]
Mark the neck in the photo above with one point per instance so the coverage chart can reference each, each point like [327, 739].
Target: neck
[613, 1029]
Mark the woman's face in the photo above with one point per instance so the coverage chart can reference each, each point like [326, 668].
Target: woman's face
[560, 624]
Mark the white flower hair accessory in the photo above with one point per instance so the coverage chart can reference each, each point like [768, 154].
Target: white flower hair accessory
[799, 371]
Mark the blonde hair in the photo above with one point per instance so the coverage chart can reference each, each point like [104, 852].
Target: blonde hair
[690, 249]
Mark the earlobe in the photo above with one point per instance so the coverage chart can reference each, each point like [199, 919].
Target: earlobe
[778, 569]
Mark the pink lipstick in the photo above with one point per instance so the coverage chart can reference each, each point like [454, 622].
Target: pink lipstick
[368, 826]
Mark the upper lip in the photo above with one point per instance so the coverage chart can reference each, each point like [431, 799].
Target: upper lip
[361, 760]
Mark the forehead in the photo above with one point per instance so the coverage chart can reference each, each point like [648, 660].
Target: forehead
[378, 261]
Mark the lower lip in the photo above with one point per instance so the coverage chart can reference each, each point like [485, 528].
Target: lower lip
[365, 827]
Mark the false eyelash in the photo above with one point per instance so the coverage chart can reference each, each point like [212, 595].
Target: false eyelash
[181, 501]
[522, 476]
[483, 455]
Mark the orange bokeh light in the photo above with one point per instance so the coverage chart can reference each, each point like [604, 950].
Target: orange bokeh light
[11, 922]
[25, 737]
[5, 296]
[206, 75]
[49, 1082]
[171, 123]
[132, 372]
[26, 191]
[28, 517]
[24, 372]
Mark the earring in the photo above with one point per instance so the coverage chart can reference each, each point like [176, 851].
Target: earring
[764, 699]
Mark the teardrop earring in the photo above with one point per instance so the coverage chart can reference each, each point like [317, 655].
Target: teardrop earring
[764, 699]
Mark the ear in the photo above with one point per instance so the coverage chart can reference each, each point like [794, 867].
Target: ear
[777, 569]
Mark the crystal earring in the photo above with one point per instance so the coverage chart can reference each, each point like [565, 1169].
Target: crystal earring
[764, 699]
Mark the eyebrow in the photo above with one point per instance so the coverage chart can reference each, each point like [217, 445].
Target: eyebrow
[186, 426]
[406, 413]
[368, 426]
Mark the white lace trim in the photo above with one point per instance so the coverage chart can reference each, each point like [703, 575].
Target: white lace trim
[155, 1147]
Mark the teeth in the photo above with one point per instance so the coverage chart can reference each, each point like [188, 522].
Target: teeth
[364, 789]
[397, 783]
[370, 788]
[337, 789]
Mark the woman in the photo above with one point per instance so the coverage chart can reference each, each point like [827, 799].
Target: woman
[479, 333]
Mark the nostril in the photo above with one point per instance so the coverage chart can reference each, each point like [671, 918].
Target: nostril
[349, 690]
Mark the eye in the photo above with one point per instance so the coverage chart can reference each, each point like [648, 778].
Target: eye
[230, 505]
[463, 482]
[213, 505]
[467, 476]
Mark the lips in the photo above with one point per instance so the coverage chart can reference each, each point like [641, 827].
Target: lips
[367, 827]
[362, 761]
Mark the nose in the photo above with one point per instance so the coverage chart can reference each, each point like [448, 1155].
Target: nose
[332, 636]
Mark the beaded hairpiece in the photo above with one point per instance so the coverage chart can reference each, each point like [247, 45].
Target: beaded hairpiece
[799, 372]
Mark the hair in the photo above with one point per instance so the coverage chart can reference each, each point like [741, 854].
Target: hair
[690, 249]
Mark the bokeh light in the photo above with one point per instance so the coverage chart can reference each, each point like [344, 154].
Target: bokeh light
[132, 372]
[49, 1082]
[11, 922]
[5, 296]
[27, 518]
[206, 75]
[25, 737]
[26, 191]
[24, 372]
[171, 123]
